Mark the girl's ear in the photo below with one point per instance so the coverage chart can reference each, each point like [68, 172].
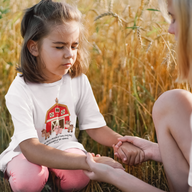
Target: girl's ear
[33, 47]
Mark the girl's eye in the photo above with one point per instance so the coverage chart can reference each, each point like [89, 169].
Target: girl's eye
[74, 47]
[59, 47]
[173, 20]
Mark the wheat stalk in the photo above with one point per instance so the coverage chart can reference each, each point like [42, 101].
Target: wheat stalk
[111, 6]
[139, 36]
[120, 19]
[130, 12]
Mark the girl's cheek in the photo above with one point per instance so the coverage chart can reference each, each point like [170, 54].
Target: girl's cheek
[176, 31]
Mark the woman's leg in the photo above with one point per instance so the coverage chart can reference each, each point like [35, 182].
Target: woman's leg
[172, 116]
[71, 180]
[25, 176]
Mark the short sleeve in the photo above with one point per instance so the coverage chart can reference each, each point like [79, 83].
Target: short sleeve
[87, 110]
[22, 117]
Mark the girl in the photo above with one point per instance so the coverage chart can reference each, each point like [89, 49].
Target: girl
[172, 119]
[45, 99]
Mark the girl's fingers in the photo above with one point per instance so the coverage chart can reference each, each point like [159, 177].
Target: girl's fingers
[137, 159]
[142, 157]
[118, 144]
[122, 155]
[116, 154]
[93, 154]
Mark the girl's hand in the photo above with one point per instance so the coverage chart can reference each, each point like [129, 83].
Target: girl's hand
[150, 149]
[108, 161]
[130, 154]
[116, 147]
[93, 154]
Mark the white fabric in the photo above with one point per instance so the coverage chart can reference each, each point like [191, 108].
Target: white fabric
[33, 108]
[190, 177]
[190, 169]
[190, 159]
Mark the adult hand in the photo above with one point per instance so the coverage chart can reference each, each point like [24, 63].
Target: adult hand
[99, 171]
[150, 149]
[108, 161]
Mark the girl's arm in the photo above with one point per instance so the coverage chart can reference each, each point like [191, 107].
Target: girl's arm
[104, 135]
[117, 177]
[41, 154]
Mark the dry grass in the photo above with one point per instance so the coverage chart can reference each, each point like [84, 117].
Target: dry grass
[132, 63]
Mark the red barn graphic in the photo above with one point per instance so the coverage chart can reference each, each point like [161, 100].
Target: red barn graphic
[57, 115]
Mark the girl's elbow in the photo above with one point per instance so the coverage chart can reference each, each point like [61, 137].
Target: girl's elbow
[27, 148]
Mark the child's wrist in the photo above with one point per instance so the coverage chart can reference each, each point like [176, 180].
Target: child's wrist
[84, 165]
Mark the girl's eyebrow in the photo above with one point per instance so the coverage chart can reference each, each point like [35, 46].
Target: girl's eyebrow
[63, 43]
[170, 13]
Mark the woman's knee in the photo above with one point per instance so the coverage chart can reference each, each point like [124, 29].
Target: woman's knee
[169, 103]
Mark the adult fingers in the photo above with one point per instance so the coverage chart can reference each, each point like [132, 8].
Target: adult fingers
[118, 165]
[90, 160]
[89, 174]
[115, 149]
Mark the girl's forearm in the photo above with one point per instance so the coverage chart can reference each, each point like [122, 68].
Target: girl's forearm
[129, 183]
[104, 135]
[38, 153]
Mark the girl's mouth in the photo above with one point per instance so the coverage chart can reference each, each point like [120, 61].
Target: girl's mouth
[67, 65]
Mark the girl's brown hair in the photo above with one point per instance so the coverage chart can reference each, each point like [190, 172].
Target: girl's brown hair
[36, 24]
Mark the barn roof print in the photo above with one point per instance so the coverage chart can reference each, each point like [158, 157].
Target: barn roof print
[54, 106]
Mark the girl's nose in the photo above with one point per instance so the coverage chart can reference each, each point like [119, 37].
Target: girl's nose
[171, 29]
[68, 53]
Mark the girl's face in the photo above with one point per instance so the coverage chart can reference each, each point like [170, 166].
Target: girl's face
[173, 28]
[59, 51]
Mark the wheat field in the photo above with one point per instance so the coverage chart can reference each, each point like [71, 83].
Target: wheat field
[132, 63]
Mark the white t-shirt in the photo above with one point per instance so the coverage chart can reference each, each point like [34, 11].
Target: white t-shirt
[36, 113]
[190, 169]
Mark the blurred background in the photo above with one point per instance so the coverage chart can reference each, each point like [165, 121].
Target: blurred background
[132, 63]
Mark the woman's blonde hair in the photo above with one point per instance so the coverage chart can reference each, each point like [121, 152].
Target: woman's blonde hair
[37, 22]
[183, 14]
